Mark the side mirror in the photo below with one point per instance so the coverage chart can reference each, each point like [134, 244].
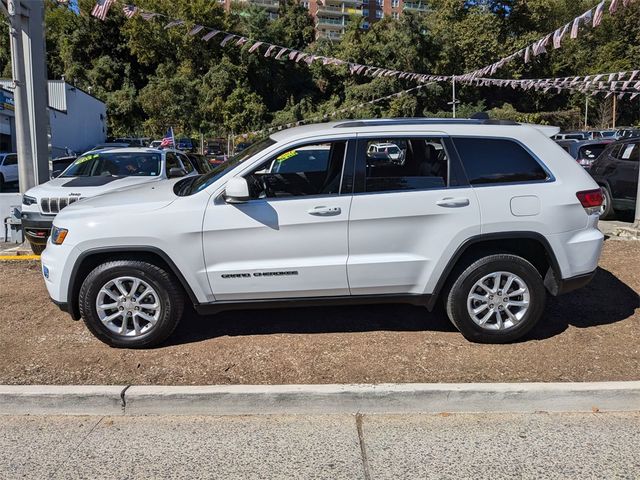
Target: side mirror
[176, 172]
[237, 191]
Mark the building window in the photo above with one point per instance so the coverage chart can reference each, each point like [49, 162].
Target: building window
[395, 15]
[395, 3]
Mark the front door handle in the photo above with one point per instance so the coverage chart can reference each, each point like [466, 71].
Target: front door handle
[451, 202]
[325, 211]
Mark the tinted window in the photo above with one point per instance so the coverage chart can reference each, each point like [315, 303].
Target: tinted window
[404, 164]
[116, 164]
[187, 163]
[306, 170]
[591, 152]
[172, 162]
[489, 160]
[629, 151]
[11, 160]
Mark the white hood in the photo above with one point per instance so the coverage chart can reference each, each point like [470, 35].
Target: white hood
[86, 187]
[146, 197]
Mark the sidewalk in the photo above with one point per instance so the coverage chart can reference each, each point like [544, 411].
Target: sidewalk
[456, 446]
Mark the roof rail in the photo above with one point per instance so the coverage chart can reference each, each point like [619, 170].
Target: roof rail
[422, 121]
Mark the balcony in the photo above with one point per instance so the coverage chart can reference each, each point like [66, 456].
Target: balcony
[334, 36]
[331, 10]
[272, 5]
[332, 23]
[415, 7]
[343, 3]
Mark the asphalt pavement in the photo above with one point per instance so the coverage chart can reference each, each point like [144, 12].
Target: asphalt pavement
[457, 446]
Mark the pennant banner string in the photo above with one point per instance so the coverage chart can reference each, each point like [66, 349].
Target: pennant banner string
[591, 18]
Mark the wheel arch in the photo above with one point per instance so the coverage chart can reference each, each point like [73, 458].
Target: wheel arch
[532, 246]
[90, 259]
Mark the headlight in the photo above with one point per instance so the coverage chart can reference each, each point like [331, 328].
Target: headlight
[58, 235]
[27, 200]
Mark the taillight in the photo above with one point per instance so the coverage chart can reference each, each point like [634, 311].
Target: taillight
[591, 200]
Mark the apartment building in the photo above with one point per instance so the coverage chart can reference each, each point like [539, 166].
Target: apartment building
[332, 16]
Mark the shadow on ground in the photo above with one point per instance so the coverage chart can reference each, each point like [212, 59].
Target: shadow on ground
[604, 301]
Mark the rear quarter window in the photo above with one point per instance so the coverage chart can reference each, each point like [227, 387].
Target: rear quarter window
[493, 160]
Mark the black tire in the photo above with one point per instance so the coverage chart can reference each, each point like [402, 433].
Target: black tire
[456, 299]
[37, 249]
[170, 297]
[608, 213]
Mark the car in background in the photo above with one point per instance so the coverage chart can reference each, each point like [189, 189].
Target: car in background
[110, 145]
[385, 151]
[95, 173]
[602, 134]
[186, 144]
[200, 163]
[624, 133]
[60, 164]
[8, 169]
[616, 171]
[241, 146]
[584, 151]
[133, 142]
[571, 136]
[155, 144]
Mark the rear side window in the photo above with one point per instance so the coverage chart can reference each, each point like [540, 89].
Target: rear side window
[491, 160]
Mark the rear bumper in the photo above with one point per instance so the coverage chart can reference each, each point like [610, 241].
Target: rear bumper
[36, 227]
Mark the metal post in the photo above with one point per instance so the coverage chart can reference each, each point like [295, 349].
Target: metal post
[615, 99]
[586, 112]
[26, 173]
[30, 94]
[454, 95]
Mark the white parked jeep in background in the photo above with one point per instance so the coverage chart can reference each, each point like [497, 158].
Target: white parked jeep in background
[92, 174]
[486, 216]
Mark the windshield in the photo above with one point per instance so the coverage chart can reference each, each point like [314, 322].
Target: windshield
[192, 185]
[139, 164]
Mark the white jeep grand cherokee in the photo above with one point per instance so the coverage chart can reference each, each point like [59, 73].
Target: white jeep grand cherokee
[486, 216]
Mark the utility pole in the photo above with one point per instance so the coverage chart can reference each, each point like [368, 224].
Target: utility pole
[586, 112]
[28, 64]
[453, 101]
[615, 100]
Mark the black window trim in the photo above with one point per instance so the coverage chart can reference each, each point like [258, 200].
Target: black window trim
[455, 169]
[550, 176]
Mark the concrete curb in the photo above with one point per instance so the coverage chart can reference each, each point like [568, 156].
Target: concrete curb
[319, 399]
[61, 400]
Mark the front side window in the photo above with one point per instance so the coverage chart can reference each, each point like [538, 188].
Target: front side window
[188, 167]
[172, 162]
[306, 170]
[494, 160]
[405, 164]
[116, 164]
[11, 160]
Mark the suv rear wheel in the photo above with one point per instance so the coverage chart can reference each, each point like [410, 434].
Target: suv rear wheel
[496, 299]
[132, 304]
[608, 213]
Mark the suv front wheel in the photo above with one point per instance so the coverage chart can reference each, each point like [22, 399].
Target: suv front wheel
[130, 303]
[496, 299]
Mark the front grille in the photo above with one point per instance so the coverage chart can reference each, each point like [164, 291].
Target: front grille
[54, 205]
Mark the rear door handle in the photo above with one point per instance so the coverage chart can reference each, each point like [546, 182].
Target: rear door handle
[325, 211]
[451, 202]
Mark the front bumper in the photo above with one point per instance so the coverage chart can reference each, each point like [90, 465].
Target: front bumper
[36, 227]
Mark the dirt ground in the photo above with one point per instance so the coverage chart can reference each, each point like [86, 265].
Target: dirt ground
[589, 335]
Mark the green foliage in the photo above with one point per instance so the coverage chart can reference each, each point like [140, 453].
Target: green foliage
[152, 78]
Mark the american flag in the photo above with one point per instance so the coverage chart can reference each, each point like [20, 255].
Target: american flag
[168, 140]
[130, 11]
[102, 8]
[597, 17]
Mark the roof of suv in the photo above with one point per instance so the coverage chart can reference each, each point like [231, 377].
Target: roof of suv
[481, 126]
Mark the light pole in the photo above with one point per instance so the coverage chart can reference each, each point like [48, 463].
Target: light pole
[453, 101]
